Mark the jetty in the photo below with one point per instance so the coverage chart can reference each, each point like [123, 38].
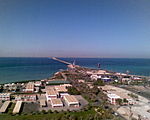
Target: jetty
[62, 61]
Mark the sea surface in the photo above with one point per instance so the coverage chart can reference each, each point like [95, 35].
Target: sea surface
[20, 69]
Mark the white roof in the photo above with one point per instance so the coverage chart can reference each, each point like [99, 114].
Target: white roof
[56, 101]
[17, 107]
[106, 78]
[5, 94]
[113, 96]
[4, 106]
[71, 99]
[42, 102]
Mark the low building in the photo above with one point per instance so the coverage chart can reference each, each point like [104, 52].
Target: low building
[66, 85]
[29, 97]
[17, 107]
[4, 96]
[51, 93]
[106, 79]
[56, 102]
[71, 101]
[60, 89]
[63, 94]
[81, 81]
[43, 103]
[37, 89]
[38, 83]
[30, 87]
[4, 107]
[112, 98]
[95, 77]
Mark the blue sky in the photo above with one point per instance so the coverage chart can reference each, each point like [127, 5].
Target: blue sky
[75, 28]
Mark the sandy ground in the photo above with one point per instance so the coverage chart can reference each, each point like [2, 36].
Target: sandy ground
[134, 111]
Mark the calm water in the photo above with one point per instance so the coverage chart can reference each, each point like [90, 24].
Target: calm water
[18, 69]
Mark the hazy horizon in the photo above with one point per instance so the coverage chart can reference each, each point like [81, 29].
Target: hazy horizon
[80, 28]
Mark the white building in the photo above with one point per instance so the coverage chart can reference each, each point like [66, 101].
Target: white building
[56, 102]
[17, 107]
[60, 89]
[71, 101]
[95, 77]
[4, 107]
[30, 87]
[63, 94]
[38, 83]
[51, 93]
[26, 97]
[4, 96]
[112, 98]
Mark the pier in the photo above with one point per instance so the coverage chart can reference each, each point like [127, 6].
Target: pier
[62, 61]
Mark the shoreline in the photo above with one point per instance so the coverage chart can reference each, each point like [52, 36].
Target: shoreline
[25, 81]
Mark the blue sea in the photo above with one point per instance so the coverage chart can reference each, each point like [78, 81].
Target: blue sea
[20, 69]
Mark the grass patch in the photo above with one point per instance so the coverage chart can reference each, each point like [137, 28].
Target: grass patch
[51, 116]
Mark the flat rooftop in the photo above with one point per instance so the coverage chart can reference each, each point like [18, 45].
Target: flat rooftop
[17, 107]
[4, 94]
[42, 102]
[4, 106]
[56, 101]
[60, 88]
[71, 99]
[30, 85]
[113, 96]
[51, 92]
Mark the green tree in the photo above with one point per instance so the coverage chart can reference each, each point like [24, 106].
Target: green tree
[119, 101]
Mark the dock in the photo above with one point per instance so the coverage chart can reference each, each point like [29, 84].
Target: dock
[62, 61]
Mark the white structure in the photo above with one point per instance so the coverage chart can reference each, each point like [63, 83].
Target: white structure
[60, 89]
[71, 101]
[112, 98]
[17, 107]
[63, 94]
[38, 83]
[4, 96]
[26, 97]
[95, 77]
[66, 85]
[30, 87]
[56, 102]
[51, 93]
[4, 107]
[42, 103]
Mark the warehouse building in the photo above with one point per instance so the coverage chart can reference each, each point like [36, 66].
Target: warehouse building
[60, 89]
[51, 93]
[56, 102]
[4, 107]
[17, 107]
[71, 101]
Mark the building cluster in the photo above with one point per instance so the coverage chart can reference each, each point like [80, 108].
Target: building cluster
[26, 97]
[108, 76]
[53, 95]
[58, 96]
[4, 96]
